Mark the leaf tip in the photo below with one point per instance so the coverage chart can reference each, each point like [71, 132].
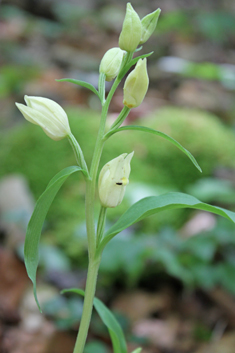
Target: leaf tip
[36, 299]
[198, 168]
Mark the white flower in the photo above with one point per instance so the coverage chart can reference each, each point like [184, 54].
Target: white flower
[130, 35]
[111, 63]
[47, 114]
[136, 85]
[113, 178]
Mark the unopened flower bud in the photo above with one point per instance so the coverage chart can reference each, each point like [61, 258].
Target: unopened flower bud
[47, 114]
[149, 24]
[113, 178]
[131, 30]
[111, 63]
[136, 85]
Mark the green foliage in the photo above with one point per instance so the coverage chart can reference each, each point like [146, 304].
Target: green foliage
[80, 83]
[133, 62]
[124, 258]
[27, 150]
[154, 204]
[158, 133]
[33, 234]
[203, 134]
[213, 190]
[194, 260]
[66, 312]
[113, 326]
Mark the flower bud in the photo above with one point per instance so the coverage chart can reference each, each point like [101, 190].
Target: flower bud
[136, 85]
[111, 63]
[149, 24]
[47, 114]
[113, 178]
[131, 30]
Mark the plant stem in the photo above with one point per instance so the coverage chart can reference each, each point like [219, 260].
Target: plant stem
[78, 153]
[94, 258]
[91, 184]
[101, 86]
[101, 224]
[91, 236]
[88, 305]
[122, 116]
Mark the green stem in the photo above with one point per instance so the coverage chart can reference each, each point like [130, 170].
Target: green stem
[94, 260]
[101, 224]
[101, 87]
[87, 306]
[78, 153]
[122, 116]
[91, 184]
[91, 187]
[127, 58]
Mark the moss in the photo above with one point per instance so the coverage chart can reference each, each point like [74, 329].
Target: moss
[202, 133]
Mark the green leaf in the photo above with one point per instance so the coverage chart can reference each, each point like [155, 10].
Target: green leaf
[131, 63]
[159, 133]
[31, 246]
[80, 83]
[154, 204]
[115, 330]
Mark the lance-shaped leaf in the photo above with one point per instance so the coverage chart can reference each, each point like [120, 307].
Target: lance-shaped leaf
[80, 83]
[131, 63]
[114, 328]
[159, 133]
[154, 204]
[31, 247]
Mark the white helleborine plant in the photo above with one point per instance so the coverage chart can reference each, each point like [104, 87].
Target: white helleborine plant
[113, 178]
[47, 114]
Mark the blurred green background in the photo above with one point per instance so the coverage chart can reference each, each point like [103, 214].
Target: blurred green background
[191, 98]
